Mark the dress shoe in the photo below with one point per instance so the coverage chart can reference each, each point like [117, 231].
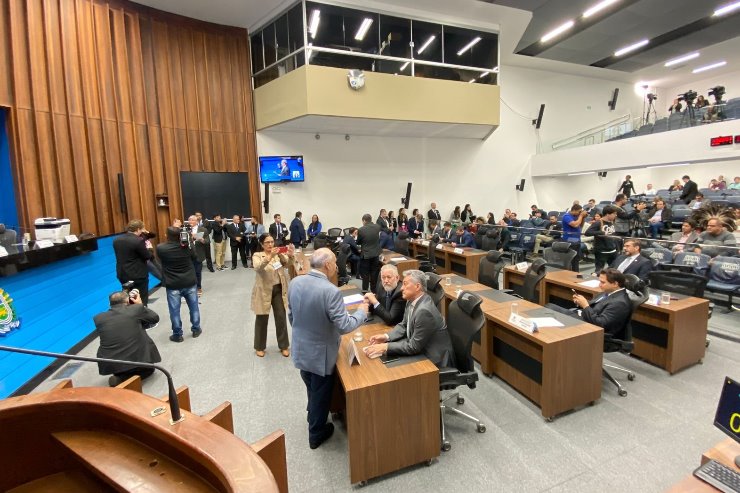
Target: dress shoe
[328, 432]
[175, 338]
[211, 269]
[197, 332]
[261, 354]
[285, 352]
[233, 267]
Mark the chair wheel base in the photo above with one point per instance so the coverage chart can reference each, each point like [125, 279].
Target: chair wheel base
[622, 393]
[630, 376]
[446, 446]
[549, 420]
[429, 462]
[481, 428]
[460, 401]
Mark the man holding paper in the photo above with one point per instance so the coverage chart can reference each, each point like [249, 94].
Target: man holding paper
[422, 329]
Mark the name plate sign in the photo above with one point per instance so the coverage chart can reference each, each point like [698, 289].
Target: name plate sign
[352, 356]
[3, 252]
[424, 243]
[458, 250]
[71, 238]
[522, 266]
[525, 324]
[44, 243]
[440, 246]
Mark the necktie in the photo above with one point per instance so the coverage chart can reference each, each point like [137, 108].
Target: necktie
[409, 312]
[388, 301]
[625, 263]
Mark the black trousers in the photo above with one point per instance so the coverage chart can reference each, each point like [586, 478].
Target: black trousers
[319, 390]
[241, 249]
[209, 259]
[281, 326]
[143, 286]
[575, 263]
[369, 270]
[603, 260]
[198, 266]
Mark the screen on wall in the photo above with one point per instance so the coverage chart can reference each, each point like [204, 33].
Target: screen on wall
[281, 168]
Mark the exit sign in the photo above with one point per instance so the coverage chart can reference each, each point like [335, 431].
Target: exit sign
[724, 140]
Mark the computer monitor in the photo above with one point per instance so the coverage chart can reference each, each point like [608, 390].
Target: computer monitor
[276, 169]
[728, 411]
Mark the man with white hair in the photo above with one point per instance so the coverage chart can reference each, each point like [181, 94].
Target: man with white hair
[422, 330]
[319, 318]
[387, 301]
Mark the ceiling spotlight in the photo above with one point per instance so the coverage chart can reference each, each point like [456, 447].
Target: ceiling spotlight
[313, 24]
[631, 47]
[426, 44]
[682, 59]
[598, 7]
[727, 9]
[558, 30]
[362, 31]
[469, 45]
[709, 67]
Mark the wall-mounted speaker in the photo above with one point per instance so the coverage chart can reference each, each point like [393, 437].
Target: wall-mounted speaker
[266, 202]
[602, 174]
[407, 199]
[538, 122]
[122, 194]
[613, 102]
[520, 187]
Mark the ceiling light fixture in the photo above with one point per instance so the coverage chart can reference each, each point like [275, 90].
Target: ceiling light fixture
[558, 30]
[313, 25]
[427, 43]
[668, 165]
[495, 69]
[726, 9]
[682, 59]
[709, 67]
[403, 67]
[598, 7]
[631, 47]
[469, 45]
[583, 173]
[362, 31]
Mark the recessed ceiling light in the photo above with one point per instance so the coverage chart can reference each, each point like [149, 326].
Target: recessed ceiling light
[468, 46]
[668, 165]
[558, 30]
[313, 24]
[682, 59]
[403, 67]
[494, 70]
[709, 67]
[426, 43]
[598, 7]
[631, 47]
[362, 31]
[727, 9]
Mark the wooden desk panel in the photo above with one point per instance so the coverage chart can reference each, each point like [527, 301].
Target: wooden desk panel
[392, 414]
[403, 265]
[302, 265]
[465, 264]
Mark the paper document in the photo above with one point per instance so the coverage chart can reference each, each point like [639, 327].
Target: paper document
[353, 298]
[546, 322]
[593, 283]
[398, 259]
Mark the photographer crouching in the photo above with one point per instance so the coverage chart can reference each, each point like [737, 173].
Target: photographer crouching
[122, 331]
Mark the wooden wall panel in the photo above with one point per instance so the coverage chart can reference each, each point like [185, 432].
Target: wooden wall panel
[101, 87]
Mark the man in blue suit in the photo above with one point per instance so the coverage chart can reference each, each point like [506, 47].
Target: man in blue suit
[297, 230]
[319, 318]
[463, 238]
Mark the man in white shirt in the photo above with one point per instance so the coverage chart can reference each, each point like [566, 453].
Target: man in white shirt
[650, 191]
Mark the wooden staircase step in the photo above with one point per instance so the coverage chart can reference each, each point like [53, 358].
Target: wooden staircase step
[129, 465]
[72, 481]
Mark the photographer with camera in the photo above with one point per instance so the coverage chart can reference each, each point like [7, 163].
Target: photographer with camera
[132, 256]
[122, 332]
[209, 228]
[200, 242]
[178, 269]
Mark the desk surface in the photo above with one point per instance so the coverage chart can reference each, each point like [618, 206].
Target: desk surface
[724, 452]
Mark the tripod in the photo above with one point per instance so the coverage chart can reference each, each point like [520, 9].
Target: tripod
[690, 113]
[650, 110]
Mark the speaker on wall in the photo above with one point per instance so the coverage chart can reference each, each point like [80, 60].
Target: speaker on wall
[520, 187]
[266, 202]
[538, 122]
[122, 193]
[602, 174]
[407, 199]
[613, 102]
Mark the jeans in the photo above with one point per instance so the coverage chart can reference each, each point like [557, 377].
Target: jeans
[173, 303]
[655, 229]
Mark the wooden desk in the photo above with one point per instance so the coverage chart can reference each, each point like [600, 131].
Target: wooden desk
[672, 336]
[403, 265]
[724, 452]
[448, 261]
[558, 368]
[391, 413]
[302, 265]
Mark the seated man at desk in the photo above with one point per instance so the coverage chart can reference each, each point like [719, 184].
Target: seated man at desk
[422, 330]
[463, 238]
[610, 310]
[387, 301]
[632, 262]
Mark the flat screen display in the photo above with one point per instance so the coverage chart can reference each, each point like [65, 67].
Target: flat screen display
[728, 410]
[275, 169]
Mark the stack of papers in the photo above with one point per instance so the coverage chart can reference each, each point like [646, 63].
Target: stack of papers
[546, 322]
[353, 298]
[398, 259]
[593, 283]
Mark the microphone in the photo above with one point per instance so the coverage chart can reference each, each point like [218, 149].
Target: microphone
[174, 403]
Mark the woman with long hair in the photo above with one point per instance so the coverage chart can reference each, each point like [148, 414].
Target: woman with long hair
[314, 228]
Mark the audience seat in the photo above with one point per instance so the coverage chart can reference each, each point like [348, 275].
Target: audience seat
[435, 289]
[560, 254]
[724, 278]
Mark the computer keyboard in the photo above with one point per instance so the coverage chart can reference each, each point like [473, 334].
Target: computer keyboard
[720, 476]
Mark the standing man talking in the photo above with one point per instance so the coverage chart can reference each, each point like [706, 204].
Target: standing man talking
[131, 257]
[237, 240]
[368, 237]
[278, 231]
[319, 318]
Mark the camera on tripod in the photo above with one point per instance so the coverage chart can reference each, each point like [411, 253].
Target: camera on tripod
[717, 92]
[652, 97]
[689, 96]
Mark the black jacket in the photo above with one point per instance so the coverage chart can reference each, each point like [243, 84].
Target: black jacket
[350, 240]
[200, 247]
[602, 232]
[131, 257]
[368, 237]
[217, 231]
[280, 235]
[640, 267]
[690, 189]
[612, 313]
[395, 302]
[235, 231]
[122, 336]
[177, 265]
[416, 226]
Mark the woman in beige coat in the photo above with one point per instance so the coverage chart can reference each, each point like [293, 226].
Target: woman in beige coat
[271, 289]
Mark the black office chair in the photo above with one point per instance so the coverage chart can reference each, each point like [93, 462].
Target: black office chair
[559, 254]
[622, 341]
[435, 289]
[321, 240]
[535, 273]
[401, 245]
[428, 262]
[678, 282]
[343, 276]
[345, 232]
[334, 232]
[491, 239]
[465, 319]
[490, 269]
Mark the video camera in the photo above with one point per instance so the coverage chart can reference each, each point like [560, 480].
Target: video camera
[717, 92]
[133, 293]
[689, 96]
[185, 236]
[652, 97]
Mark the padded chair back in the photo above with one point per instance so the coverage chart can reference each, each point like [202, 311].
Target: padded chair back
[334, 232]
[320, 241]
[639, 296]
[435, 288]
[432, 250]
[342, 258]
[345, 232]
[659, 255]
[535, 273]
[725, 271]
[699, 262]
[490, 268]
[678, 282]
[491, 239]
[465, 319]
[559, 255]
[401, 245]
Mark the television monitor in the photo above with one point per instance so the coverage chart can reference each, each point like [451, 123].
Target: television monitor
[727, 418]
[275, 169]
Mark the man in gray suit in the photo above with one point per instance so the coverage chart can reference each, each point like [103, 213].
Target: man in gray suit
[422, 330]
[368, 237]
[318, 316]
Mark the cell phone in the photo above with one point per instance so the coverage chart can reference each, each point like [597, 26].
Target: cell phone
[282, 249]
[389, 359]
[579, 276]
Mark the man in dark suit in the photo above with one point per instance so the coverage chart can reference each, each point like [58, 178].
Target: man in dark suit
[386, 235]
[447, 235]
[209, 228]
[463, 238]
[631, 262]
[368, 237]
[200, 243]
[354, 251]
[416, 226]
[690, 189]
[278, 231]
[123, 336]
[237, 241]
[297, 230]
[433, 214]
[422, 329]
[131, 257]
[387, 301]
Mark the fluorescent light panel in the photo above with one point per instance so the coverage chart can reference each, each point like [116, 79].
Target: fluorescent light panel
[682, 59]
[668, 165]
[494, 70]
[584, 173]
[727, 9]
[598, 7]
[426, 43]
[709, 67]
[558, 30]
[313, 24]
[403, 67]
[468, 46]
[362, 31]
[631, 47]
